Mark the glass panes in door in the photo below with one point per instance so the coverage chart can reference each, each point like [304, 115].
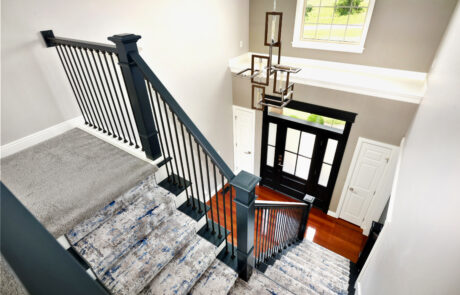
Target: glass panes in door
[298, 152]
[272, 129]
[327, 162]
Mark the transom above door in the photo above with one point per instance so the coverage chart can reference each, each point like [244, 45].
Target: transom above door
[302, 157]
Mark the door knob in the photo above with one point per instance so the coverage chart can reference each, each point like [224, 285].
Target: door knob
[351, 189]
[247, 153]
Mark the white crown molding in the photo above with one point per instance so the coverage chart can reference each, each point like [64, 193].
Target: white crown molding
[385, 83]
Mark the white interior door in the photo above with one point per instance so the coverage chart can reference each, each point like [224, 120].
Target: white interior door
[243, 138]
[366, 175]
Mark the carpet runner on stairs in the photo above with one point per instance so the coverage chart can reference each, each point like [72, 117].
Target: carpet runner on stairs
[140, 244]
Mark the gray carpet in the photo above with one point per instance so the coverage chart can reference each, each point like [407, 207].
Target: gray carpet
[64, 180]
[9, 282]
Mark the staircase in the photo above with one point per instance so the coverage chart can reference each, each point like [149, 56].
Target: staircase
[170, 234]
[140, 244]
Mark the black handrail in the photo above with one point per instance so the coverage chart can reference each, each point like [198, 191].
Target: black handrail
[80, 43]
[277, 204]
[182, 116]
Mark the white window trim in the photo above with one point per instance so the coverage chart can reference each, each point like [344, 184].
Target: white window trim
[321, 45]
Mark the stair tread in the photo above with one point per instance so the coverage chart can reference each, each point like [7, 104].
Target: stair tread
[288, 282]
[304, 275]
[182, 272]
[132, 273]
[321, 263]
[326, 273]
[309, 245]
[218, 279]
[126, 199]
[313, 254]
[264, 285]
[103, 246]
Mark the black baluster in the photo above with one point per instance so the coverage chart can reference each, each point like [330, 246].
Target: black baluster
[179, 152]
[67, 73]
[210, 194]
[275, 231]
[225, 213]
[270, 232]
[157, 125]
[85, 83]
[188, 166]
[72, 61]
[264, 246]
[231, 218]
[106, 100]
[122, 98]
[172, 144]
[127, 111]
[278, 236]
[122, 135]
[100, 92]
[194, 172]
[117, 134]
[285, 231]
[217, 200]
[291, 223]
[257, 238]
[202, 183]
[280, 230]
[95, 98]
[164, 134]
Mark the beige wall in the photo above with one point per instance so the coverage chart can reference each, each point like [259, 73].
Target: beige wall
[378, 119]
[417, 250]
[186, 43]
[403, 34]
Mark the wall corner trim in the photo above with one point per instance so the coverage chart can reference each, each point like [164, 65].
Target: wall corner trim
[40, 136]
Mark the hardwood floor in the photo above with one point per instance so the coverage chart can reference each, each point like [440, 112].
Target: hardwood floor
[332, 233]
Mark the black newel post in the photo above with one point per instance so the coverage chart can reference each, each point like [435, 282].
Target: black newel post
[245, 184]
[137, 92]
[303, 224]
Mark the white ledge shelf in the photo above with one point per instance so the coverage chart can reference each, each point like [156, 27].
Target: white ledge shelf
[384, 83]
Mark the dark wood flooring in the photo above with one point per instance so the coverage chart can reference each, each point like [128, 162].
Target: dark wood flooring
[332, 233]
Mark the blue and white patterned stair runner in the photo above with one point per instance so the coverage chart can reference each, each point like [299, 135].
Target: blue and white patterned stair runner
[140, 244]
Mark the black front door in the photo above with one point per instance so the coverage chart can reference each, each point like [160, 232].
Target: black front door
[300, 157]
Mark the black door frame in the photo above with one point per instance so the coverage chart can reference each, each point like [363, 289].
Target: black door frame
[323, 194]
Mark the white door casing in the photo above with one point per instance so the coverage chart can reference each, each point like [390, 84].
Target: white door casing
[370, 162]
[243, 138]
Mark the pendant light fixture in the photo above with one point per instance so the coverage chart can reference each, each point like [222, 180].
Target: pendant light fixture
[263, 68]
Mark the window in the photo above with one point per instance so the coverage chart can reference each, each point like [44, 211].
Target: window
[339, 25]
[298, 152]
[311, 119]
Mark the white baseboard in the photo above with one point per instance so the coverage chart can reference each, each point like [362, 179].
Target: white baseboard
[332, 213]
[40, 136]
